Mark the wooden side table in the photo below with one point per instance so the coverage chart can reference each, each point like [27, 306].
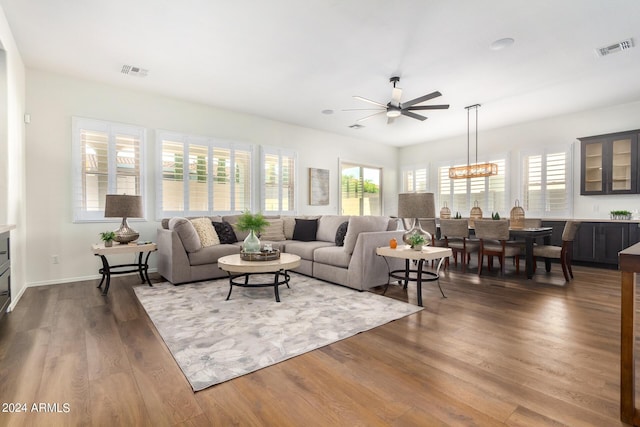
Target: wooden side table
[141, 267]
[427, 253]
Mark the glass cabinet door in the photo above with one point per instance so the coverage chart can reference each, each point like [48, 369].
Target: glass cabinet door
[621, 164]
[593, 173]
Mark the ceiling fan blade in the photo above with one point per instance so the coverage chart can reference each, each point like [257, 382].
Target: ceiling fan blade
[413, 115]
[370, 101]
[396, 94]
[421, 99]
[429, 107]
[364, 109]
[369, 116]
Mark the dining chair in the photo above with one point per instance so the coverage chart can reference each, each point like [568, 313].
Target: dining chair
[563, 253]
[429, 225]
[456, 236]
[493, 236]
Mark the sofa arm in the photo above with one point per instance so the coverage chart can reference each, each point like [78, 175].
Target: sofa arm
[173, 262]
[366, 269]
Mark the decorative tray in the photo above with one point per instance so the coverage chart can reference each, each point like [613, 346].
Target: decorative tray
[260, 256]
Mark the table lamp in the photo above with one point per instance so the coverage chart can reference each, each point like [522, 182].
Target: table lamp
[125, 206]
[416, 206]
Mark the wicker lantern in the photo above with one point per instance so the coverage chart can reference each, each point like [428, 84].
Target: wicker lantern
[445, 212]
[476, 213]
[517, 216]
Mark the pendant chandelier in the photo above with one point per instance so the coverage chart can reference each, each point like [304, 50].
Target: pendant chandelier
[476, 170]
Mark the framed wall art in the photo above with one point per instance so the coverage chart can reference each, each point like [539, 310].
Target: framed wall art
[318, 187]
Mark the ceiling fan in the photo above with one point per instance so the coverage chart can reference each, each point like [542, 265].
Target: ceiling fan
[395, 108]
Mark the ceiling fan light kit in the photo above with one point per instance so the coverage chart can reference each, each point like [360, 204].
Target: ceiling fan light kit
[395, 108]
[476, 170]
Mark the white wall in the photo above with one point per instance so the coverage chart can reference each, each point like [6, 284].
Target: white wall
[12, 151]
[561, 130]
[52, 100]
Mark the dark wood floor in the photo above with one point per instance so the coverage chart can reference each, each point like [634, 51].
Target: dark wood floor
[497, 351]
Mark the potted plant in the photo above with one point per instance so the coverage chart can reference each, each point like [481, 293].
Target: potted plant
[416, 241]
[620, 214]
[108, 237]
[495, 216]
[254, 224]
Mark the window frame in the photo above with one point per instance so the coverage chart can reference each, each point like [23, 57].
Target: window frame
[281, 153]
[362, 166]
[112, 129]
[211, 144]
[415, 171]
[567, 149]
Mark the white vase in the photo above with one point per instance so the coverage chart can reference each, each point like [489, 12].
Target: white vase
[251, 243]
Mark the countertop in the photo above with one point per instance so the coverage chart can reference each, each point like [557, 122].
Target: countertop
[624, 221]
[6, 227]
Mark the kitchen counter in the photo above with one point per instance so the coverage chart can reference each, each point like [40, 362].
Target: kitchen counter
[6, 227]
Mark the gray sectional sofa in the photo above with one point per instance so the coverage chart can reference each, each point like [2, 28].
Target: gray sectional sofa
[182, 259]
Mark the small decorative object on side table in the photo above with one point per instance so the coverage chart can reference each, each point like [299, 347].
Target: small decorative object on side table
[108, 237]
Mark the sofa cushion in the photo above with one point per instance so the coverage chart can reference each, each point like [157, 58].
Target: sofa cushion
[210, 254]
[206, 232]
[225, 232]
[187, 233]
[165, 221]
[332, 255]
[288, 225]
[305, 249]
[274, 231]
[341, 232]
[305, 230]
[328, 225]
[233, 219]
[359, 224]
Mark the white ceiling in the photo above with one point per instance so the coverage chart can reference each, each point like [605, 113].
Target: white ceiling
[290, 59]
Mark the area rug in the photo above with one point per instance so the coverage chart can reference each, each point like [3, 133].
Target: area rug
[214, 340]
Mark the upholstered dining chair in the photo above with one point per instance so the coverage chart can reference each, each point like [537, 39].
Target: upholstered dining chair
[456, 236]
[493, 236]
[564, 252]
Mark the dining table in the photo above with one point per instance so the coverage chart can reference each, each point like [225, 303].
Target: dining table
[530, 235]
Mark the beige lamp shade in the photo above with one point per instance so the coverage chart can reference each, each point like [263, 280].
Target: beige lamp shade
[416, 205]
[124, 206]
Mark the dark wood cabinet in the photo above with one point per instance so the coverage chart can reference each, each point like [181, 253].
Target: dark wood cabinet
[609, 164]
[600, 242]
[5, 273]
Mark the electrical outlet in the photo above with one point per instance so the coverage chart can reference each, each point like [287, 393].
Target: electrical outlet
[54, 259]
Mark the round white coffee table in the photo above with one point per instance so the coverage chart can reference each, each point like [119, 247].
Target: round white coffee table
[237, 267]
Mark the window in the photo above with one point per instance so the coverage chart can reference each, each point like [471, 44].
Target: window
[546, 188]
[415, 179]
[278, 179]
[461, 194]
[360, 189]
[107, 159]
[200, 175]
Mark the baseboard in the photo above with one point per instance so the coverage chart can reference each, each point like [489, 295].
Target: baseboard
[14, 300]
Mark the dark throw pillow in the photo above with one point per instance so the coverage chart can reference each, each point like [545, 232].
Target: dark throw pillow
[341, 232]
[225, 232]
[305, 230]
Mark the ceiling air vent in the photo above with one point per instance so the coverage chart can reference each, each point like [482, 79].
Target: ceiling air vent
[617, 47]
[134, 71]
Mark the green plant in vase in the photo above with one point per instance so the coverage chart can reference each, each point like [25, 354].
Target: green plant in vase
[254, 224]
[417, 241]
[108, 237]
